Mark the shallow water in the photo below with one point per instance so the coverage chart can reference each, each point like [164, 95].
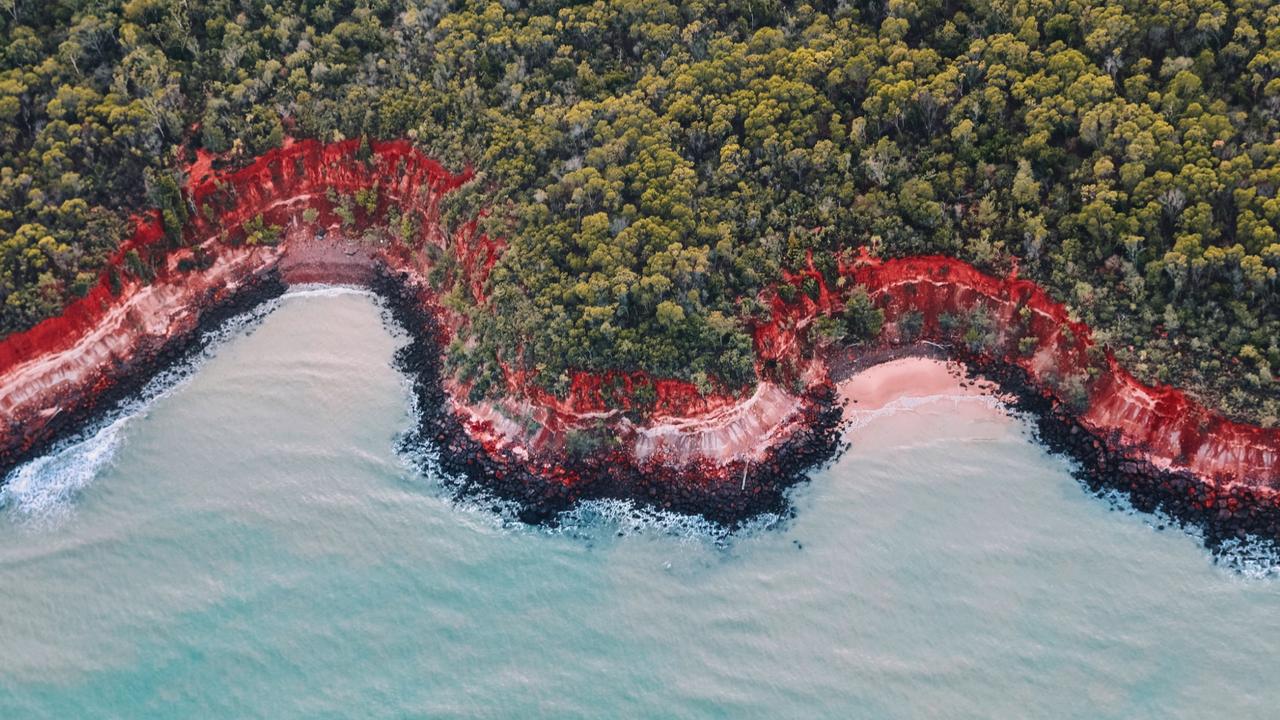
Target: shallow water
[249, 544]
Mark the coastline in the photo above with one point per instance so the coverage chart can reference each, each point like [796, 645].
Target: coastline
[544, 486]
[1237, 513]
[117, 384]
[1222, 513]
[880, 384]
[725, 457]
[543, 489]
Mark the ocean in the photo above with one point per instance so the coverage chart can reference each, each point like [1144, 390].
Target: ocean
[245, 541]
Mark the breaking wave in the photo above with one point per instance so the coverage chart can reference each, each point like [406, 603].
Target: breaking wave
[310, 290]
[1252, 557]
[624, 518]
[858, 419]
[45, 488]
[587, 519]
[595, 518]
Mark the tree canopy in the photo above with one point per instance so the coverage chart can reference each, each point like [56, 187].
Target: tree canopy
[653, 163]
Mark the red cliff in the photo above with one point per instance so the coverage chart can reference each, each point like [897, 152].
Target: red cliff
[292, 212]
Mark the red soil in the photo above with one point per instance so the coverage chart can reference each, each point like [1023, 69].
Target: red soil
[1164, 424]
[63, 361]
[1160, 424]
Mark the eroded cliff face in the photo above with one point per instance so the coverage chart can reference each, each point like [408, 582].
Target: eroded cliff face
[62, 365]
[937, 300]
[1028, 329]
[57, 369]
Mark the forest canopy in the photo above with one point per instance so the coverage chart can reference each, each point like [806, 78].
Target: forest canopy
[653, 164]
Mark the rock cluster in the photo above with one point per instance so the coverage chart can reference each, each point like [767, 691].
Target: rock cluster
[1221, 511]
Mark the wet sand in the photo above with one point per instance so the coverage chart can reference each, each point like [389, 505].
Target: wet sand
[893, 383]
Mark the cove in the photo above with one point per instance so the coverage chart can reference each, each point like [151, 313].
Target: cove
[256, 548]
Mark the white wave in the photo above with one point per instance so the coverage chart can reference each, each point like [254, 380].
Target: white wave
[46, 487]
[308, 290]
[420, 457]
[857, 419]
[585, 520]
[1252, 557]
[624, 518]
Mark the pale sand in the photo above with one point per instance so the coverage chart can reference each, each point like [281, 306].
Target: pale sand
[910, 382]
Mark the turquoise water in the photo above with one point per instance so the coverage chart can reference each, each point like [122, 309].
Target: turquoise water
[248, 544]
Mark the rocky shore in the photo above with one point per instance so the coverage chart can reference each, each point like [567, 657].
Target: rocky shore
[116, 383]
[543, 485]
[726, 457]
[1228, 512]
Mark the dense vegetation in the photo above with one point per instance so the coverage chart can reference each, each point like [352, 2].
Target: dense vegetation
[654, 163]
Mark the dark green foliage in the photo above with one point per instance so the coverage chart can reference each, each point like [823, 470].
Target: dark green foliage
[258, 232]
[909, 326]
[134, 265]
[590, 441]
[862, 319]
[167, 197]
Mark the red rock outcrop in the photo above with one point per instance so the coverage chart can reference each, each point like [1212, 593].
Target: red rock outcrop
[61, 365]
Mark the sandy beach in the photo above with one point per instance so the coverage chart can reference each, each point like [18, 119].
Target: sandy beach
[910, 382]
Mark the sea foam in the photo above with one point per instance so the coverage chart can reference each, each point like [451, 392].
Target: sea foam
[45, 488]
[858, 419]
[309, 290]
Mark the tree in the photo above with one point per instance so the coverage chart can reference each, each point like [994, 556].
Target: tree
[863, 321]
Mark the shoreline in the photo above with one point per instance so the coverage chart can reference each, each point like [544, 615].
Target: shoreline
[543, 488]
[1233, 513]
[126, 380]
[880, 383]
[1237, 513]
[721, 455]
[544, 485]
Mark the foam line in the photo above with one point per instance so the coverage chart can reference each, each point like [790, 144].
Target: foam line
[46, 487]
[858, 419]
